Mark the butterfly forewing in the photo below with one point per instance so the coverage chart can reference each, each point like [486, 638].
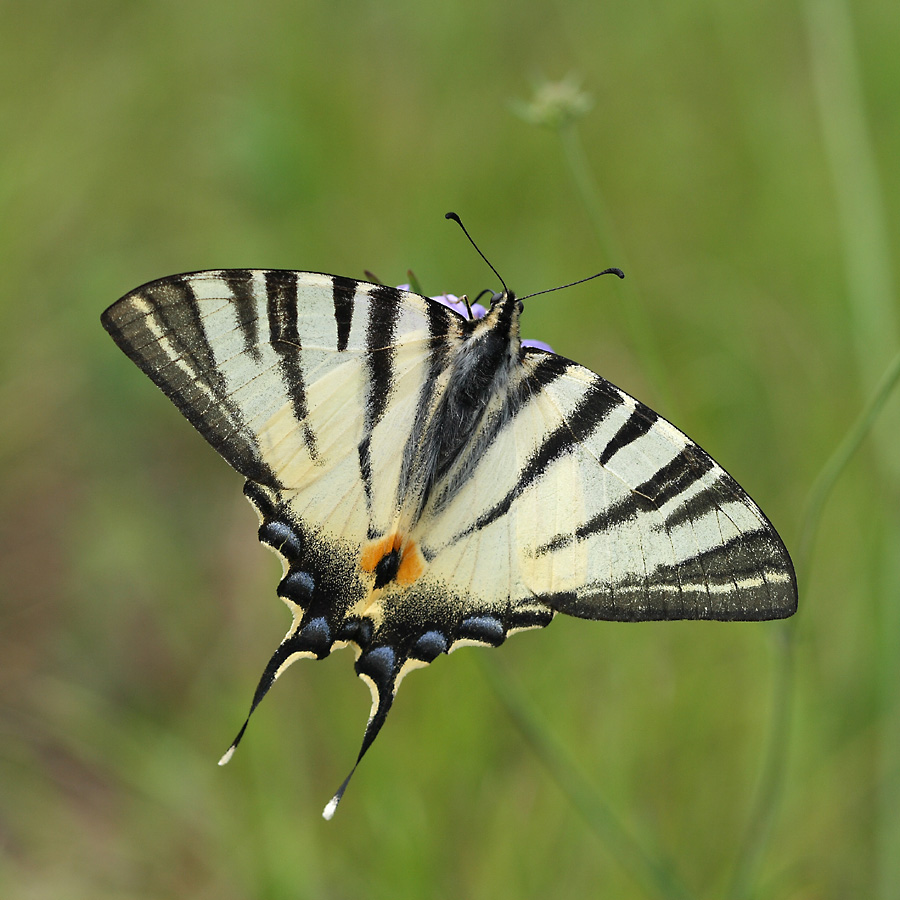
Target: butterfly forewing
[428, 483]
[659, 530]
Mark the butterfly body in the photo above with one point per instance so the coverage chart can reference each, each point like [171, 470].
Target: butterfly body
[430, 482]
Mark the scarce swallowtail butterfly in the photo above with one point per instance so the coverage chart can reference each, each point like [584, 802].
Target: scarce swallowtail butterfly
[429, 482]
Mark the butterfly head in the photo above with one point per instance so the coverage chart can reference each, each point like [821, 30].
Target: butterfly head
[507, 295]
[500, 327]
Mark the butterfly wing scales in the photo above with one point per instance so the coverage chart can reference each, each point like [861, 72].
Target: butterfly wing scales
[618, 515]
[306, 384]
[570, 496]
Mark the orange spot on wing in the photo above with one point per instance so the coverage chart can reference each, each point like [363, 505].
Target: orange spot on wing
[377, 550]
[412, 565]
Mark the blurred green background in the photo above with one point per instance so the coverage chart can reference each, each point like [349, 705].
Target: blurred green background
[744, 158]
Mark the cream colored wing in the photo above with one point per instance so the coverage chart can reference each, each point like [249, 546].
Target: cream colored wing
[567, 495]
[612, 512]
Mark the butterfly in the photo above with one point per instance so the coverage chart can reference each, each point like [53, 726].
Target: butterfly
[430, 482]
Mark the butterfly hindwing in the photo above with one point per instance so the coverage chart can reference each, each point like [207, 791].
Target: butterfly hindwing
[315, 388]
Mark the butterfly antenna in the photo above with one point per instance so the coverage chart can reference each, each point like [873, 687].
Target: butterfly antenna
[618, 272]
[456, 218]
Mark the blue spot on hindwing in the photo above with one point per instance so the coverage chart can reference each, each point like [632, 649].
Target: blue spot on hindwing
[379, 664]
[429, 646]
[316, 636]
[298, 587]
[485, 629]
[282, 537]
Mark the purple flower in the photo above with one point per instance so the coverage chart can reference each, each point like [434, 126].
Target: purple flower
[478, 312]
[538, 345]
[451, 300]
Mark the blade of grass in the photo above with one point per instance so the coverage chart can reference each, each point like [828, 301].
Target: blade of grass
[873, 324]
[655, 873]
[774, 767]
[865, 242]
[642, 333]
[873, 319]
[831, 471]
[558, 106]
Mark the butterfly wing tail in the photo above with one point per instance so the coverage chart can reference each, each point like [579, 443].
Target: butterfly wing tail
[297, 645]
[380, 668]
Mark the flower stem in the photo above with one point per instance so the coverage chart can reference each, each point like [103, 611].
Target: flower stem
[612, 251]
[831, 471]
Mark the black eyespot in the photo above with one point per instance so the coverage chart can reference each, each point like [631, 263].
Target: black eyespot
[387, 568]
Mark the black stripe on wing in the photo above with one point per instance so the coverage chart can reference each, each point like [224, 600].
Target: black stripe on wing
[281, 302]
[344, 290]
[240, 283]
[599, 399]
[384, 314]
[159, 326]
[439, 319]
[607, 519]
[724, 487]
[641, 420]
[676, 476]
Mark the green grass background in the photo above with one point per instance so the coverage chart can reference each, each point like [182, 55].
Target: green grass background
[745, 155]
